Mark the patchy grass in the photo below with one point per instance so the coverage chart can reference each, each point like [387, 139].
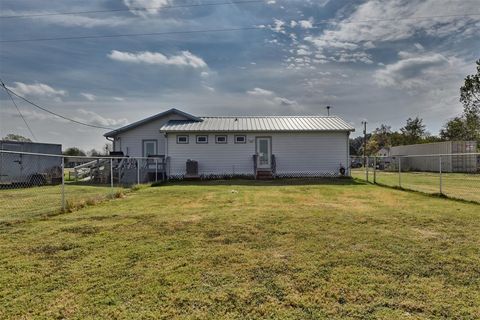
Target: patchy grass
[245, 250]
[454, 185]
[26, 203]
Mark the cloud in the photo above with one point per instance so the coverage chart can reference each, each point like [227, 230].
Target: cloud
[89, 96]
[306, 24]
[260, 92]
[150, 7]
[98, 120]
[183, 59]
[37, 90]
[409, 71]
[118, 98]
[83, 21]
[271, 97]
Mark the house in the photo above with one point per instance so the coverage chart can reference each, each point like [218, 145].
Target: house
[29, 163]
[383, 152]
[455, 156]
[282, 146]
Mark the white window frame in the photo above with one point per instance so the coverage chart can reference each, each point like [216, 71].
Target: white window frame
[182, 136]
[202, 136]
[221, 136]
[241, 142]
[144, 149]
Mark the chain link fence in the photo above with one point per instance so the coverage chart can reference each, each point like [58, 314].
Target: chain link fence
[42, 184]
[453, 175]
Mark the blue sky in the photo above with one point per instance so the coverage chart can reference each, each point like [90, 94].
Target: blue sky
[362, 63]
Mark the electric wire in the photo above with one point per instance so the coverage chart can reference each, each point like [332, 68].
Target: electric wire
[54, 113]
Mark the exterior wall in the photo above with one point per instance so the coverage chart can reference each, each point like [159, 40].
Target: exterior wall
[131, 142]
[296, 154]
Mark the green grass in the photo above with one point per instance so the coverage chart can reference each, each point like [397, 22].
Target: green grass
[454, 185]
[246, 250]
[26, 203]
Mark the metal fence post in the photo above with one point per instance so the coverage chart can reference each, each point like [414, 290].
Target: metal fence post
[400, 172]
[138, 171]
[156, 169]
[63, 183]
[375, 169]
[440, 170]
[366, 168]
[111, 174]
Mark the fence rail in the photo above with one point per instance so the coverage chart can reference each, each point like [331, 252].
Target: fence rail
[35, 183]
[454, 175]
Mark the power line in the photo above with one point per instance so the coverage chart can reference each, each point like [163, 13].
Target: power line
[213, 30]
[33, 15]
[51, 112]
[18, 109]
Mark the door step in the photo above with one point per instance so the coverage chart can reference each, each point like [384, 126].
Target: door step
[264, 175]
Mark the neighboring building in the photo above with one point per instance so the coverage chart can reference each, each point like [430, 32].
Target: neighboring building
[383, 152]
[426, 157]
[24, 168]
[295, 146]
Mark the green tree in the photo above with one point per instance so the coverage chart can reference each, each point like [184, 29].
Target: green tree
[73, 151]
[467, 125]
[16, 137]
[414, 131]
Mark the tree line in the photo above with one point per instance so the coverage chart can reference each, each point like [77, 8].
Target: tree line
[464, 127]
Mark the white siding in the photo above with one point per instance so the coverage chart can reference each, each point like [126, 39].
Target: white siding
[297, 154]
[130, 142]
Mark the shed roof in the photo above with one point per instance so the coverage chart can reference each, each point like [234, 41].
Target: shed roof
[259, 124]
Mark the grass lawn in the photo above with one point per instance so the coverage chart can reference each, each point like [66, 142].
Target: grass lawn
[26, 203]
[455, 185]
[247, 250]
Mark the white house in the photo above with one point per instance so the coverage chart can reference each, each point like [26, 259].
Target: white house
[283, 146]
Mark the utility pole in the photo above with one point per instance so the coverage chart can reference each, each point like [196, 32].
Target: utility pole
[364, 123]
[328, 110]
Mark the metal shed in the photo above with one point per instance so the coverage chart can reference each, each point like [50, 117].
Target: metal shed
[425, 157]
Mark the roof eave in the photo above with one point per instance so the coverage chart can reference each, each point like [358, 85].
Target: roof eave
[133, 125]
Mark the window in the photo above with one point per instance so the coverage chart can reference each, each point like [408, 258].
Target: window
[240, 139]
[149, 148]
[220, 139]
[182, 139]
[202, 139]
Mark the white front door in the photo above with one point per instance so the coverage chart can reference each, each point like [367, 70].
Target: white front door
[264, 153]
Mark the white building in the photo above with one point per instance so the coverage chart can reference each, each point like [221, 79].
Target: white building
[282, 146]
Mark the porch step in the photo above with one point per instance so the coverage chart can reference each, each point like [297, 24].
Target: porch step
[264, 175]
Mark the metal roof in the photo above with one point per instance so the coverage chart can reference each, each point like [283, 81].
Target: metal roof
[152, 118]
[259, 124]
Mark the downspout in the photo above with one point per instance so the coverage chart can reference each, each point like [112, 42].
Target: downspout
[112, 140]
[349, 174]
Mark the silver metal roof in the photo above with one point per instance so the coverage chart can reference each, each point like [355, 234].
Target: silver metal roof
[259, 124]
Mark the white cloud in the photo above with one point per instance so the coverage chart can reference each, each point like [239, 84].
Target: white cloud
[83, 21]
[278, 26]
[271, 97]
[183, 59]
[89, 96]
[37, 90]
[148, 6]
[306, 24]
[260, 92]
[410, 71]
[118, 98]
[98, 120]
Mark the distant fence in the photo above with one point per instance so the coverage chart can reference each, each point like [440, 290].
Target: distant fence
[32, 183]
[453, 175]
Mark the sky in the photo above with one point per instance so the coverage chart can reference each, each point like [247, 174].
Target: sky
[381, 61]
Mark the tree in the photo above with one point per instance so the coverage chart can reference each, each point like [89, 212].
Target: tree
[95, 153]
[466, 126]
[414, 131]
[73, 151]
[16, 137]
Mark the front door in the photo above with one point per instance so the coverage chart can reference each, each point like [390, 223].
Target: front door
[264, 153]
